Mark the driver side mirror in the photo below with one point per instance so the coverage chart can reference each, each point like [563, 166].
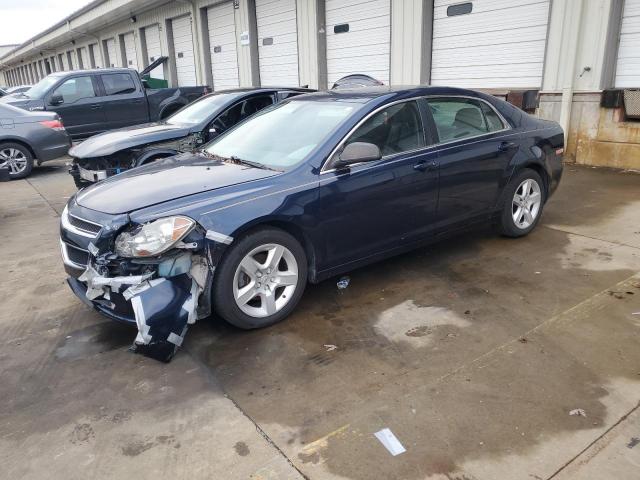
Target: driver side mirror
[56, 99]
[357, 152]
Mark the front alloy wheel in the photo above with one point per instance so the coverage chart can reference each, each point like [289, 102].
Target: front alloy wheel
[265, 280]
[260, 279]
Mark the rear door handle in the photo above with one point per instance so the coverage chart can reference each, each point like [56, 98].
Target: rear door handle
[425, 166]
[506, 146]
[96, 106]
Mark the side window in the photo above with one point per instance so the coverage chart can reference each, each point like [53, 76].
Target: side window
[118, 83]
[75, 89]
[240, 111]
[395, 129]
[459, 118]
[288, 94]
[493, 120]
[255, 104]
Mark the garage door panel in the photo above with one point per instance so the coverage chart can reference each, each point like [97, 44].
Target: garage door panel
[501, 43]
[223, 46]
[440, 6]
[183, 48]
[111, 52]
[473, 56]
[365, 48]
[628, 60]
[525, 17]
[278, 58]
[495, 38]
[154, 49]
[130, 51]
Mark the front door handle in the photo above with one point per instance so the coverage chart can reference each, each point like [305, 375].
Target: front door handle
[506, 146]
[96, 106]
[425, 166]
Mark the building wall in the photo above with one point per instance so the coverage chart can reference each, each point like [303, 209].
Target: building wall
[579, 61]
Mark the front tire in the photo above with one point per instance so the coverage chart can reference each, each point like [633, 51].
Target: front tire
[524, 199]
[261, 279]
[17, 158]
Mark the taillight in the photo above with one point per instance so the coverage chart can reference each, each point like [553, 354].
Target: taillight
[54, 124]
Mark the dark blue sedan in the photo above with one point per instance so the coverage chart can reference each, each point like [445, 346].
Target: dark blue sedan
[304, 190]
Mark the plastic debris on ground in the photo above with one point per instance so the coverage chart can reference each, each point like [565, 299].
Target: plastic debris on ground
[390, 442]
[343, 283]
[330, 348]
[578, 412]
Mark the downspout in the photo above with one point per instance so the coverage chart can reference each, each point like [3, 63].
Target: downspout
[573, 21]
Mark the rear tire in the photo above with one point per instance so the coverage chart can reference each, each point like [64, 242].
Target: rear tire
[17, 158]
[260, 280]
[524, 198]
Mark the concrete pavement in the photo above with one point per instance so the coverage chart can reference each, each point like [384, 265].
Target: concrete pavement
[473, 352]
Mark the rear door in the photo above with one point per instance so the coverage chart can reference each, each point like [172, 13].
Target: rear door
[378, 206]
[475, 148]
[80, 109]
[123, 100]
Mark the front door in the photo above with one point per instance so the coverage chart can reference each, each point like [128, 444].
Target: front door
[75, 100]
[377, 206]
[475, 150]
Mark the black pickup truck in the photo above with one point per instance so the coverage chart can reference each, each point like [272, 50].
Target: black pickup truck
[93, 101]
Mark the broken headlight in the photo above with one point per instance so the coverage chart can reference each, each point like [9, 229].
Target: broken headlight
[153, 238]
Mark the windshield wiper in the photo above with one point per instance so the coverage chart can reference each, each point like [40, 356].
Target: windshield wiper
[238, 161]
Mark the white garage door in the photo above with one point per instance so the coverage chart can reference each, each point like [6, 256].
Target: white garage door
[277, 42]
[84, 58]
[131, 60]
[628, 68]
[154, 50]
[183, 47]
[489, 43]
[358, 38]
[94, 51]
[222, 45]
[111, 52]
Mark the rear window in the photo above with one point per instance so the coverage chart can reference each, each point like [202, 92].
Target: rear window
[118, 83]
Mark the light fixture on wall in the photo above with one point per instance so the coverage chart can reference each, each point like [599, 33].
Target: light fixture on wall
[134, 19]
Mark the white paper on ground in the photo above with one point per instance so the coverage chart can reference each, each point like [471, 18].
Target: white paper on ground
[390, 442]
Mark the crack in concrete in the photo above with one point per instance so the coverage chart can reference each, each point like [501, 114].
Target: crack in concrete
[585, 449]
[259, 429]
[42, 197]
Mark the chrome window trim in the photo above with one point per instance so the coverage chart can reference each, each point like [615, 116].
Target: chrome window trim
[65, 257]
[64, 219]
[433, 145]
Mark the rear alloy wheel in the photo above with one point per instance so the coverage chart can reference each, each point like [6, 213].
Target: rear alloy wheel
[17, 159]
[524, 200]
[261, 279]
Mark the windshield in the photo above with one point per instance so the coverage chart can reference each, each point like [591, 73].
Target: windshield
[201, 109]
[282, 136]
[42, 87]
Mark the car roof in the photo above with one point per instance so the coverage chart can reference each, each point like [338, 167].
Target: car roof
[367, 94]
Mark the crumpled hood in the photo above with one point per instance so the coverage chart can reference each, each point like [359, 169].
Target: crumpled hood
[163, 180]
[113, 141]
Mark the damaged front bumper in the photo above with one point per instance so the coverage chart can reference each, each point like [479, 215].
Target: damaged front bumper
[161, 296]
